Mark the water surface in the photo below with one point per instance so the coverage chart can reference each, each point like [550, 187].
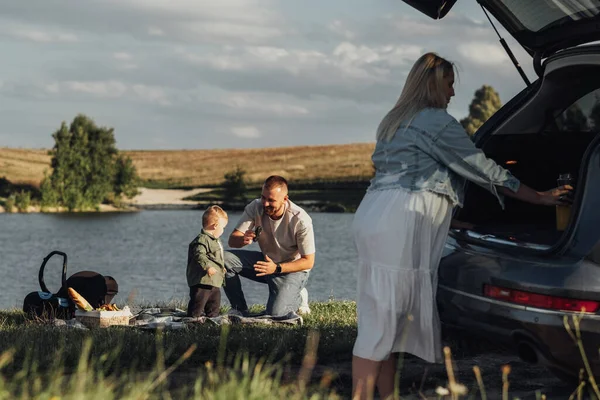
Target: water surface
[146, 252]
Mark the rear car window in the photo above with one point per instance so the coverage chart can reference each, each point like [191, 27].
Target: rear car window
[542, 14]
[581, 116]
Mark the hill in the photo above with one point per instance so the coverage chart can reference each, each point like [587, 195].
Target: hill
[195, 168]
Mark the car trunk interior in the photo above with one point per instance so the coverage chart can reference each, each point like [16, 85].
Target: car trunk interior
[537, 143]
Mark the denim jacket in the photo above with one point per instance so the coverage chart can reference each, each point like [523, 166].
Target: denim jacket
[433, 152]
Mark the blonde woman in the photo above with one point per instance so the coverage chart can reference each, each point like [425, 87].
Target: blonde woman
[422, 159]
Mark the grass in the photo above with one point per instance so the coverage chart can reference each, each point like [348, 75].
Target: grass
[204, 361]
[206, 168]
[94, 378]
[335, 322]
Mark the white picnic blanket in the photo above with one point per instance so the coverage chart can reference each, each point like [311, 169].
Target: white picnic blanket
[174, 318]
[157, 318]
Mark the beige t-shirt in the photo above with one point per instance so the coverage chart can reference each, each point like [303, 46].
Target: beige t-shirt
[285, 239]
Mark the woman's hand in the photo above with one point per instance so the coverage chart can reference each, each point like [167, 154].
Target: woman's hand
[556, 197]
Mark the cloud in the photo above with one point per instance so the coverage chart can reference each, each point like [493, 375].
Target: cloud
[37, 34]
[191, 21]
[109, 90]
[122, 56]
[483, 53]
[209, 71]
[254, 103]
[153, 31]
[246, 132]
[339, 28]
[347, 70]
[104, 89]
[125, 61]
[151, 94]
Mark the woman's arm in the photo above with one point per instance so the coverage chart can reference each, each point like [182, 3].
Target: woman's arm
[453, 148]
[552, 197]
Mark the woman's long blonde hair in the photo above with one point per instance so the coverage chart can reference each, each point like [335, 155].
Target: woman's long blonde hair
[423, 88]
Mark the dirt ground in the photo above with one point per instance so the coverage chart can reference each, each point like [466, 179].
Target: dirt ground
[419, 379]
[149, 197]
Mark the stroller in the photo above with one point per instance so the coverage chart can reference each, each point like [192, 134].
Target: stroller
[97, 289]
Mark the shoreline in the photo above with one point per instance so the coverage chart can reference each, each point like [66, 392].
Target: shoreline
[147, 199]
[172, 199]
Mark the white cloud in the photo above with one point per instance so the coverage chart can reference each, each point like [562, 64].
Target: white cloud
[246, 132]
[241, 68]
[351, 54]
[339, 28]
[154, 31]
[483, 53]
[344, 65]
[151, 94]
[108, 90]
[407, 26]
[261, 104]
[126, 61]
[37, 34]
[104, 89]
[52, 88]
[122, 56]
[191, 21]
[230, 31]
[128, 66]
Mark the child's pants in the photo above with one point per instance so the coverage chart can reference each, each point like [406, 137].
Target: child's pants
[205, 300]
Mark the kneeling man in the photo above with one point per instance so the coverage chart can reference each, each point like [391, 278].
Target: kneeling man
[285, 235]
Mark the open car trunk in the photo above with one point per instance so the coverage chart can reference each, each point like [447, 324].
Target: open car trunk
[540, 158]
[549, 135]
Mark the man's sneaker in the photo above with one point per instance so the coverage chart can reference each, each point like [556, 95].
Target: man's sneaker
[304, 308]
[237, 313]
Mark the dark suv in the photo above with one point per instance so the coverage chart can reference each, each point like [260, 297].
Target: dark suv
[521, 273]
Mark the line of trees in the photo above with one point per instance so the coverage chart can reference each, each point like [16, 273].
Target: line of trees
[88, 170]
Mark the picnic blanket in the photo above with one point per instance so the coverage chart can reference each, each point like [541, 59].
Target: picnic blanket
[166, 318]
[174, 318]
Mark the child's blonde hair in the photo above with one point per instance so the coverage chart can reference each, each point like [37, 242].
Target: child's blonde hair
[211, 216]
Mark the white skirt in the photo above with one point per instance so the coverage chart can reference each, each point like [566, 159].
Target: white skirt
[400, 236]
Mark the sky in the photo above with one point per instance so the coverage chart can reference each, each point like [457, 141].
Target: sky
[206, 74]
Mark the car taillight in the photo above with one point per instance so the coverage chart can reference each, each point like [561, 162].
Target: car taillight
[540, 300]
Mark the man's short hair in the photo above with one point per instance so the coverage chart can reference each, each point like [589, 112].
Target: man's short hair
[276, 181]
[211, 216]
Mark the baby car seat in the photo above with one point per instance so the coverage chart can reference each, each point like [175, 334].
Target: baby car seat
[97, 289]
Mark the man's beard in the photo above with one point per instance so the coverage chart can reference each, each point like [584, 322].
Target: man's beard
[272, 210]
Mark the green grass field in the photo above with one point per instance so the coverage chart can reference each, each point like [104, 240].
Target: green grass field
[207, 361]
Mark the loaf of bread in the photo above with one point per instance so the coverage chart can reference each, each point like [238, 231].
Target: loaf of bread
[79, 300]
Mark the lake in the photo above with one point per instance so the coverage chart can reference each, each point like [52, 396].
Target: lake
[146, 252]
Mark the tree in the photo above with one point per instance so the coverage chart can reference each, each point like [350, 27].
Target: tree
[126, 178]
[573, 119]
[86, 167]
[595, 114]
[235, 185]
[485, 103]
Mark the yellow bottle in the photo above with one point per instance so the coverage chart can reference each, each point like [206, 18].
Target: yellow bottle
[563, 213]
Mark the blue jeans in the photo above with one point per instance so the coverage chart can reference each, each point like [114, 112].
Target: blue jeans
[284, 289]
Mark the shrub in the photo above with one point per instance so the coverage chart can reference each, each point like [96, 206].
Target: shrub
[23, 201]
